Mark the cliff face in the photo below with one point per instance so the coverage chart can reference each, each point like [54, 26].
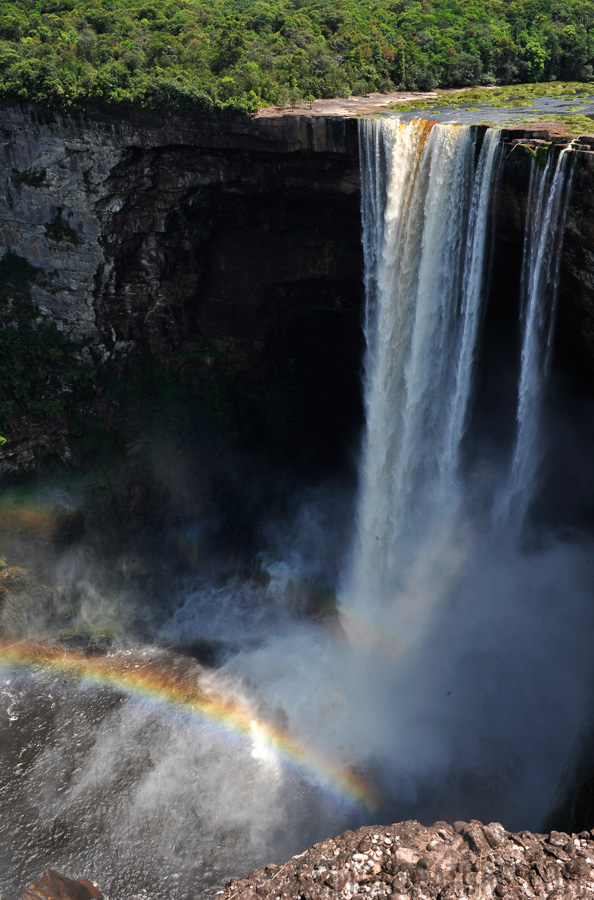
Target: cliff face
[224, 253]
[221, 251]
[575, 327]
[133, 224]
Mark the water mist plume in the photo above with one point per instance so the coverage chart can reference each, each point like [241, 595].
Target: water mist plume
[181, 691]
[440, 660]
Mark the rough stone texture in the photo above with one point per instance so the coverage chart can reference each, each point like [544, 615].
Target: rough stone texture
[156, 216]
[227, 250]
[222, 249]
[53, 886]
[441, 862]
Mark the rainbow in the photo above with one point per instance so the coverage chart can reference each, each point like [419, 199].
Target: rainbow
[19, 518]
[180, 691]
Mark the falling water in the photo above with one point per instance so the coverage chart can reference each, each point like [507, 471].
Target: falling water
[547, 205]
[454, 702]
[425, 213]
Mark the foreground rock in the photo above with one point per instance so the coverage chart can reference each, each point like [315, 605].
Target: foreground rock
[53, 886]
[442, 862]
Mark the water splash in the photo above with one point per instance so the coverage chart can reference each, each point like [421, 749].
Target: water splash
[150, 677]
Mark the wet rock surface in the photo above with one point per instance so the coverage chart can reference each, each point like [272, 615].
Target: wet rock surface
[53, 886]
[441, 862]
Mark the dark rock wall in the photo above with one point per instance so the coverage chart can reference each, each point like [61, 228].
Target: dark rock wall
[575, 320]
[576, 300]
[227, 254]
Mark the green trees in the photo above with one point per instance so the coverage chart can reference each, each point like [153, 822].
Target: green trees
[200, 56]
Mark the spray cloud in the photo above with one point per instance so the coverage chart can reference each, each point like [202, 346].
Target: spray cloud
[440, 677]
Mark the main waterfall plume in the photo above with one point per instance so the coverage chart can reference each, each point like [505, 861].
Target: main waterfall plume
[425, 211]
[402, 653]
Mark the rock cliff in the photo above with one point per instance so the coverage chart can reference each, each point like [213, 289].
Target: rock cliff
[224, 252]
[223, 259]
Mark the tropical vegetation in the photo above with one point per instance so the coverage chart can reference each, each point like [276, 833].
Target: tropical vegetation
[198, 56]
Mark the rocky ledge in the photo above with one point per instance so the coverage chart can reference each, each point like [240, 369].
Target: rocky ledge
[409, 861]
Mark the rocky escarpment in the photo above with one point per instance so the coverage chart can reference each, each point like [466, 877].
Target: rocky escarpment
[440, 862]
[178, 272]
[113, 211]
[226, 255]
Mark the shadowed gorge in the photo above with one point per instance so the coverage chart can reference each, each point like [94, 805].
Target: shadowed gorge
[250, 598]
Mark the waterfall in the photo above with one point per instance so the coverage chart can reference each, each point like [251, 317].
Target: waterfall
[455, 681]
[545, 221]
[425, 213]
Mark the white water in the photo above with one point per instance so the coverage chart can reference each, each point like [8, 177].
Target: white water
[425, 213]
[546, 212]
[441, 681]
[447, 648]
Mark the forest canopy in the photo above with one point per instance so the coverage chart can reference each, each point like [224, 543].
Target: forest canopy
[199, 56]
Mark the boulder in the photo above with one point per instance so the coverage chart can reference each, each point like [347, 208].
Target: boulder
[53, 886]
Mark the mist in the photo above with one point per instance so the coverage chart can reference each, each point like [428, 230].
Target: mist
[464, 698]
[396, 647]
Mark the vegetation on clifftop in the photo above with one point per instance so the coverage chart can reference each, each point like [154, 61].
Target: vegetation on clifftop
[200, 56]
